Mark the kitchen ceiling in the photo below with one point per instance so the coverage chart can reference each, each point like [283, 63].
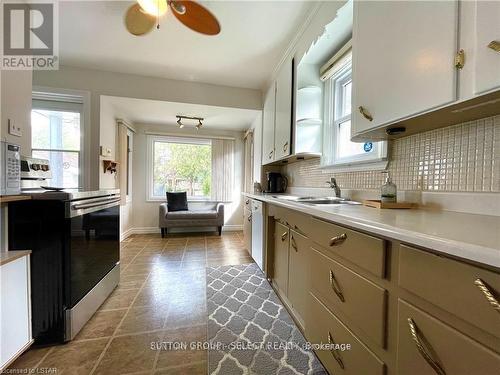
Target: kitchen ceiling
[253, 37]
[142, 111]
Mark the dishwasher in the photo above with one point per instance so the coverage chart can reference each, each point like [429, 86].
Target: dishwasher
[258, 232]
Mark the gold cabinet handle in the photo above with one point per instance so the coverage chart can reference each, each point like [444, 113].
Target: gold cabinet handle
[494, 45]
[335, 352]
[335, 287]
[488, 294]
[365, 113]
[247, 201]
[285, 146]
[249, 217]
[422, 349]
[283, 236]
[271, 154]
[460, 59]
[338, 239]
[297, 229]
[294, 244]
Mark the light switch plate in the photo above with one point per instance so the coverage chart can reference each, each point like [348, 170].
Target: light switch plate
[14, 129]
[105, 151]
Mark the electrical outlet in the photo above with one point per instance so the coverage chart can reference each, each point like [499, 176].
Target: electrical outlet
[14, 129]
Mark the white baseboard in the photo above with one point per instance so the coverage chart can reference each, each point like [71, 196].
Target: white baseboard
[152, 230]
[126, 234]
[232, 228]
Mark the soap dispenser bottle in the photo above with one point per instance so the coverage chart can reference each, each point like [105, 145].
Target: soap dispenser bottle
[388, 190]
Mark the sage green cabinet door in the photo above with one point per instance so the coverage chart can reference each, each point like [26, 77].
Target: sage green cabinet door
[247, 230]
[280, 260]
[298, 277]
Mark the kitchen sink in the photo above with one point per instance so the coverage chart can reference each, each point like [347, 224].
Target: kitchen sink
[315, 200]
[330, 201]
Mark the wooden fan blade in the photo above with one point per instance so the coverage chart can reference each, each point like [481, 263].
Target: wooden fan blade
[137, 21]
[196, 17]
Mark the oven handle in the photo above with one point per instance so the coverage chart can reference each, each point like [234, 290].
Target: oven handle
[95, 203]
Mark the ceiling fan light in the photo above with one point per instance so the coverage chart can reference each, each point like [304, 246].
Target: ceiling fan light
[178, 7]
[154, 7]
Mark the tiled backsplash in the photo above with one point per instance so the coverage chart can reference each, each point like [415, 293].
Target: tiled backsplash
[463, 157]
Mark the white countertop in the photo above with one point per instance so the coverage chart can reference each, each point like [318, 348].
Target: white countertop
[467, 236]
[9, 256]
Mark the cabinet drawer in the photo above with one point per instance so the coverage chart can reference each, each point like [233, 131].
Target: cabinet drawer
[293, 219]
[344, 290]
[326, 327]
[365, 251]
[453, 286]
[452, 351]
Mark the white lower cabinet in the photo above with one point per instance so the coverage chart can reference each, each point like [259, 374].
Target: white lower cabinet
[15, 309]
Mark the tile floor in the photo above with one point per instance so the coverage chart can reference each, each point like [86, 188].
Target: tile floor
[161, 297]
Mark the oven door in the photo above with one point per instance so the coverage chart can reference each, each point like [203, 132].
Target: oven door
[94, 246]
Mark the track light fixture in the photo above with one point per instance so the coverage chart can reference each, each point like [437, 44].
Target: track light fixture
[181, 117]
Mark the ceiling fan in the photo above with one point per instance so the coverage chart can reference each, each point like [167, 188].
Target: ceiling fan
[141, 17]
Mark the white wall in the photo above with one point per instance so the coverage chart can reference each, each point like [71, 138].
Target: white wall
[15, 104]
[257, 148]
[15, 99]
[108, 138]
[145, 214]
[133, 86]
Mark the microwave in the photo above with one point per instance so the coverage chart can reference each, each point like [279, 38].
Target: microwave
[10, 169]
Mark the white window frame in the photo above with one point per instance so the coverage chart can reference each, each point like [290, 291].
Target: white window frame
[330, 160]
[63, 104]
[47, 93]
[151, 139]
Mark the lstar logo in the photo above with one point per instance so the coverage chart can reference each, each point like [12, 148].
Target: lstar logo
[29, 35]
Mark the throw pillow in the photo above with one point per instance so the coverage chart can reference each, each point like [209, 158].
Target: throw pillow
[177, 201]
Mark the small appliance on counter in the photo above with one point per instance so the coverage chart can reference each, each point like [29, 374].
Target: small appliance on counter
[276, 183]
[9, 169]
[34, 173]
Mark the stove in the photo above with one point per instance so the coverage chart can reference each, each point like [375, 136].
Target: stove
[74, 236]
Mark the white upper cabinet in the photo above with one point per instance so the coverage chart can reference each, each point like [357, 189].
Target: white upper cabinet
[283, 130]
[268, 120]
[487, 58]
[277, 117]
[403, 60]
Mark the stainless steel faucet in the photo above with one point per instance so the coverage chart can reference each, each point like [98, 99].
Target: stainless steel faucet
[334, 186]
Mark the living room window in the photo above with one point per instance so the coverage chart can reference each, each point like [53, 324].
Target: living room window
[180, 164]
[56, 135]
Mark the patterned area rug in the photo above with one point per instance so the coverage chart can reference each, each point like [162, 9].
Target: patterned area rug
[249, 330]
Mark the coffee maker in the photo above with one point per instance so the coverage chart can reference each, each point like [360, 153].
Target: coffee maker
[276, 183]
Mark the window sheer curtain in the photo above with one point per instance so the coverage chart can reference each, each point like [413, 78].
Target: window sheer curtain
[222, 170]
